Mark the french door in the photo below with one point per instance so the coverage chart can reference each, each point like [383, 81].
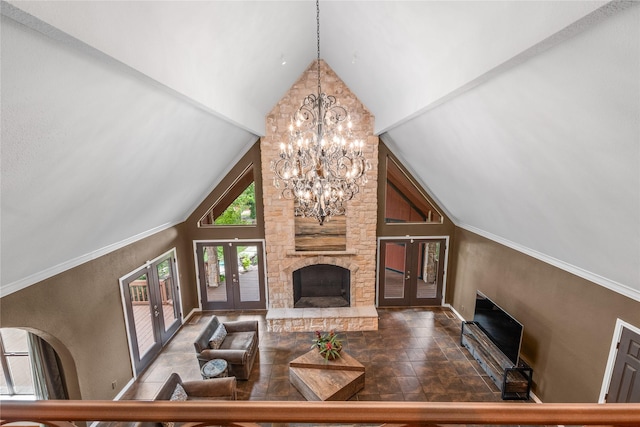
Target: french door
[411, 272]
[625, 382]
[152, 305]
[231, 275]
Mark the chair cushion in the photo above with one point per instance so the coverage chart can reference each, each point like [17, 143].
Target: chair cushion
[218, 337]
[239, 341]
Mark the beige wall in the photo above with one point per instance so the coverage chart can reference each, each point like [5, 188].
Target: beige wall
[80, 313]
[568, 321]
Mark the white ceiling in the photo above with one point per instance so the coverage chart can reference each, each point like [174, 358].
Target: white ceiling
[519, 117]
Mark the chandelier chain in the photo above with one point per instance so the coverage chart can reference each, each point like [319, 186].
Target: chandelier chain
[318, 42]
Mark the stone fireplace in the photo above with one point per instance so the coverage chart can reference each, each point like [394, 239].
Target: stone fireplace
[286, 258]
[321, 286]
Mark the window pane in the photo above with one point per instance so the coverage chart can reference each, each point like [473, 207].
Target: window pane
[405, 202]
[237, 206]
[20, 371]
[14, 340]
[242, 210]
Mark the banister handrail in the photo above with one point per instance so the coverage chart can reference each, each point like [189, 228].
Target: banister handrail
[317, 413]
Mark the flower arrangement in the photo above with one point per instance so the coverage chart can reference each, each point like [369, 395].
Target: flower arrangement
[328, 344]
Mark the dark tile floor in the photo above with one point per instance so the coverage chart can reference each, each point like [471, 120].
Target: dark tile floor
[414, 356]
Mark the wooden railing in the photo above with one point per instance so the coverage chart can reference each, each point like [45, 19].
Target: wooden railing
[249, 413]
[140, 293]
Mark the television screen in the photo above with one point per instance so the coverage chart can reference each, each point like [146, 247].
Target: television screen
[504, 330]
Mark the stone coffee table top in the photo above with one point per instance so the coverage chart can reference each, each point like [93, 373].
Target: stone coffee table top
[318, 379]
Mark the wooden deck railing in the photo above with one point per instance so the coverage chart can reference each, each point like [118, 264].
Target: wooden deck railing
[140, 293]
[249, 413]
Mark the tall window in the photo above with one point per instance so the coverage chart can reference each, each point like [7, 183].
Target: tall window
[16, 378]
[405, 202]
[237, 206]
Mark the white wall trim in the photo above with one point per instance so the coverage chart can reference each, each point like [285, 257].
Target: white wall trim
[592, 277]
[67, 265]
[613, 352]
[458, 315]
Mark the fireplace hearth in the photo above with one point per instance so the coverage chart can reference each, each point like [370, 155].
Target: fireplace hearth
[321, 286]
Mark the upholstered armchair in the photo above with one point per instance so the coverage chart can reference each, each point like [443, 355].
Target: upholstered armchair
[212, 389]
[236, 342]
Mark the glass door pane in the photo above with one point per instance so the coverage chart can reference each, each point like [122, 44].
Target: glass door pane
[165, 281]
[428, 263]
[142, 317]
[248, 283]
[394, 270]
[215, 273]
[168, 297]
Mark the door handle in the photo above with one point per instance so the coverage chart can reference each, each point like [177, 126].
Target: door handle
[408, 276]
[156, 313]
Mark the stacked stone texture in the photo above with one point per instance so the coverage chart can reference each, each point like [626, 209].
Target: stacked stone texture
[361, 211]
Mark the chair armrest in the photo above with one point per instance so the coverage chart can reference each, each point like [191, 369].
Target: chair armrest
[215, 387]
[237, 357]
[241, 326]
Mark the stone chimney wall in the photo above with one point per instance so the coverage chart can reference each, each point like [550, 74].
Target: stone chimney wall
[361, 211]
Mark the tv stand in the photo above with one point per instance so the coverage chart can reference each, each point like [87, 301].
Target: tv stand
[513, 381]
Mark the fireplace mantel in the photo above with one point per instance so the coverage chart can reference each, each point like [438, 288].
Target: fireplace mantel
[348, 252]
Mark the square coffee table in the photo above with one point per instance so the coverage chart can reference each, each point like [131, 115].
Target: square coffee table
[318, 379]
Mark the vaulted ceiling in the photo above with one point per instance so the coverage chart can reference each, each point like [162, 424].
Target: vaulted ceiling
[520, 118]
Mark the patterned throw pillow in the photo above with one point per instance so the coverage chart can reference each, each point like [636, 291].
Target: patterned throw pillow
[218, 336]
[179, 394]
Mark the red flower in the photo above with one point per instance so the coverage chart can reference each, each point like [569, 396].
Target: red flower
[329, 346]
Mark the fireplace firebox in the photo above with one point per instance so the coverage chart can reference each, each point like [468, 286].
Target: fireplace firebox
[321, 285]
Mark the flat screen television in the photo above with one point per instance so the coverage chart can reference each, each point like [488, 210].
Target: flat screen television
[500, 326]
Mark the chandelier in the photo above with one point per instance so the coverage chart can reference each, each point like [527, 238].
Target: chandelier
[321, 166]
